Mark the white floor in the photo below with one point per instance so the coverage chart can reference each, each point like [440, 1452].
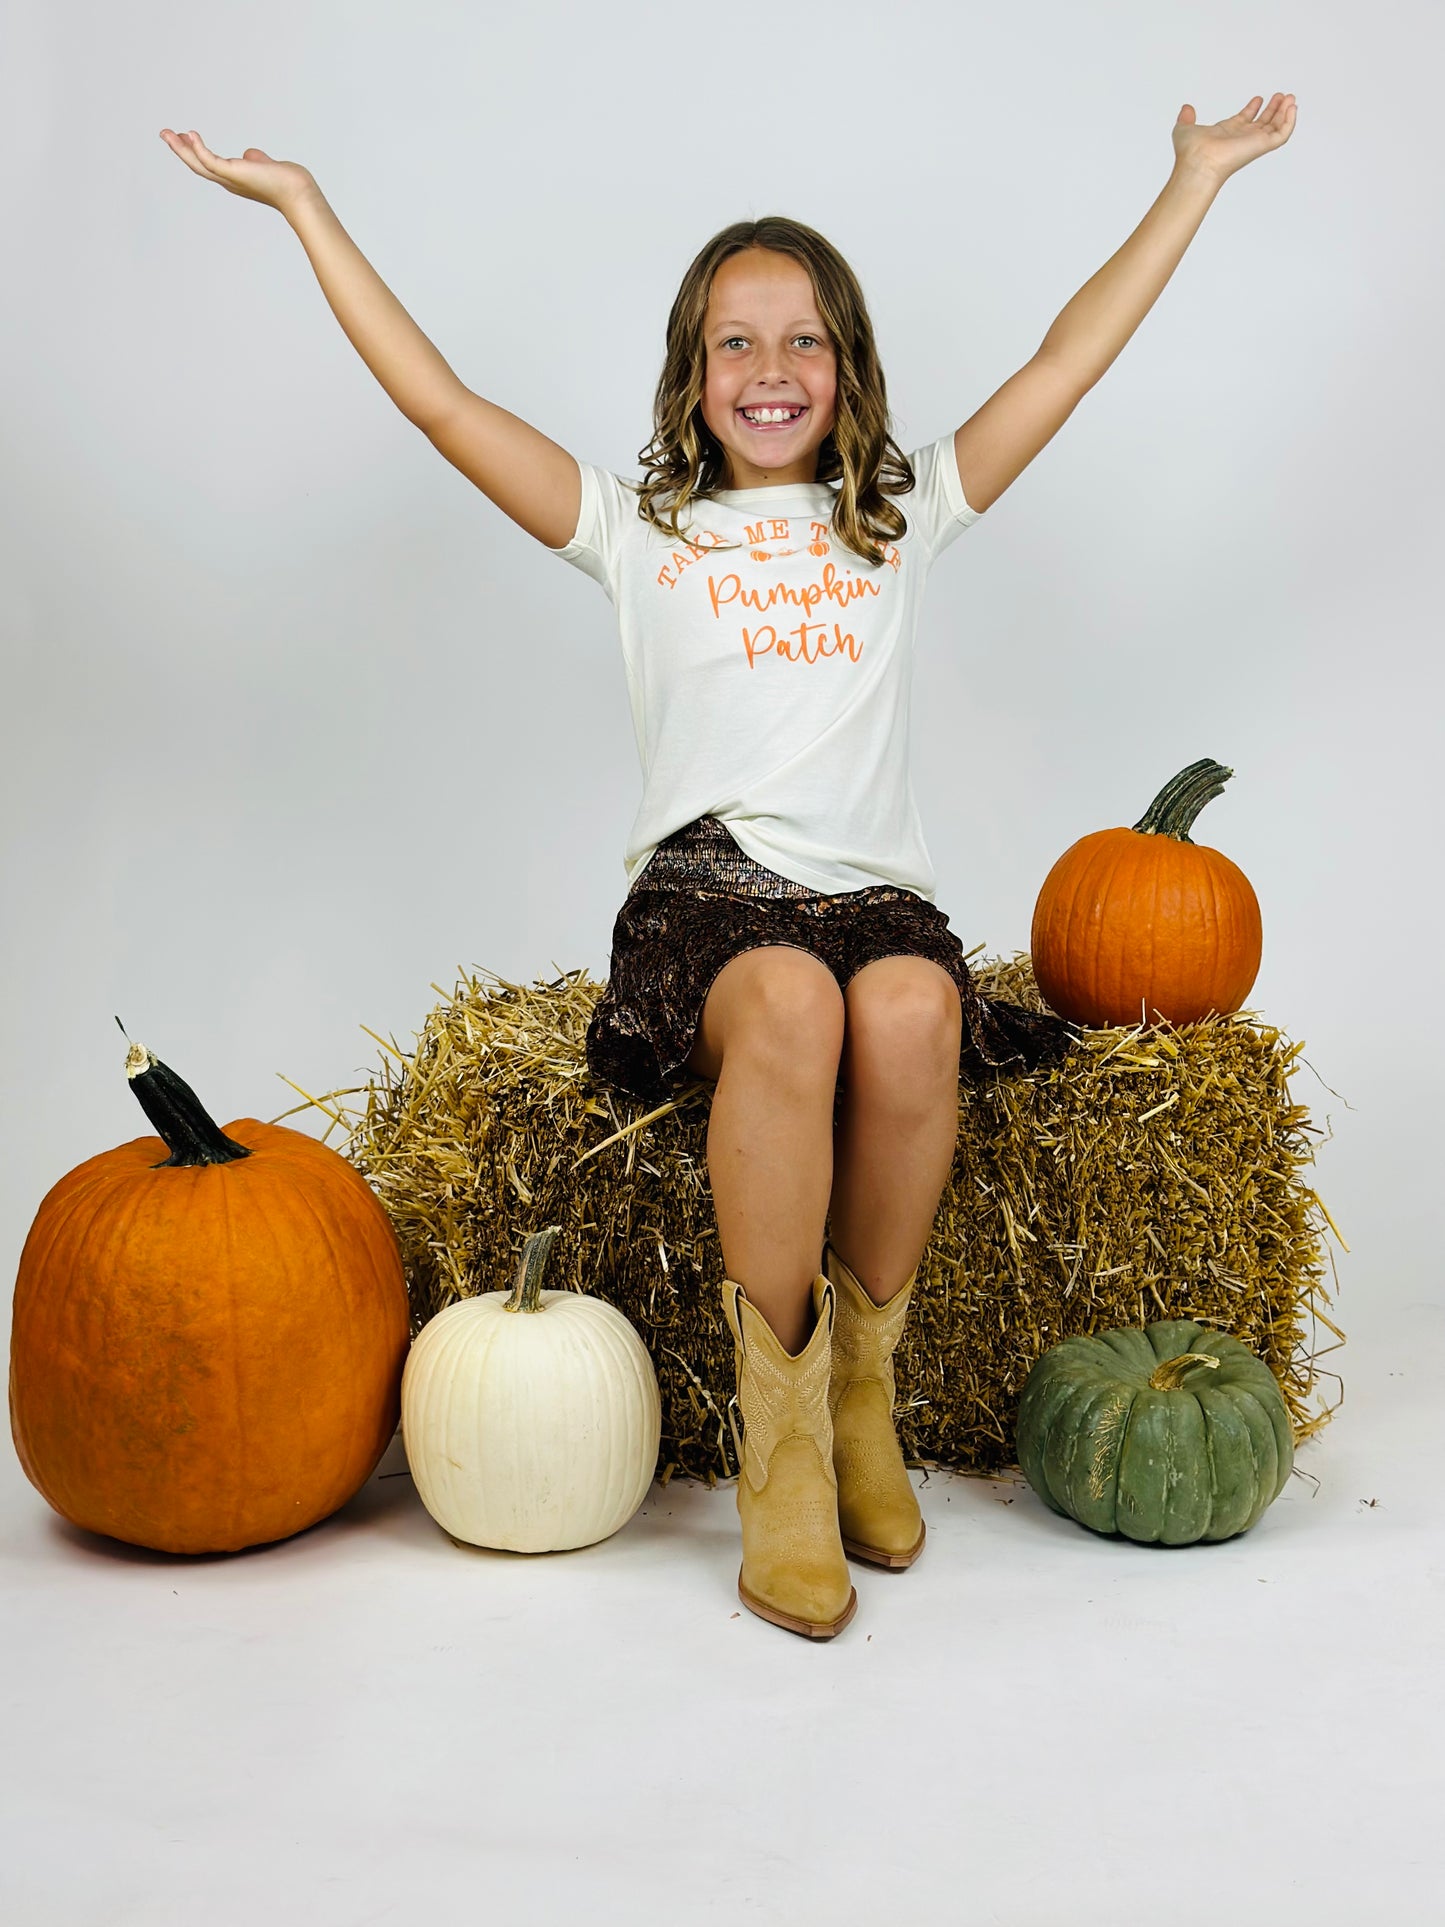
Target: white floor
[1034, 1725]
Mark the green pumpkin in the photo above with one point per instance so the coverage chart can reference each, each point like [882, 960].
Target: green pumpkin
[1168, 1435]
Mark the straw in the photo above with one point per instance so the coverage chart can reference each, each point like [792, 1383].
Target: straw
[1159, 1172]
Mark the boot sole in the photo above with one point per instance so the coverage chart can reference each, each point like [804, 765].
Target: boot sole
[879, 1556]
[809, 1628]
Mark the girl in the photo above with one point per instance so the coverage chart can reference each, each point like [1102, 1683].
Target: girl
[779, 937]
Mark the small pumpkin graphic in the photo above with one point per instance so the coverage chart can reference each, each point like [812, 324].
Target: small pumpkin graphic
[209, 1331]
[1144, 924]
[1169, 1434]
[817, 548]
[761, 555]
[531, 1419]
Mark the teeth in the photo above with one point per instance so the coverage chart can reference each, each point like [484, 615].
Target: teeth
[771, 414]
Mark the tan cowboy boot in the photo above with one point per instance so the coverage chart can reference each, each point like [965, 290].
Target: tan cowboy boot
[878, 1513]
[794, 1572]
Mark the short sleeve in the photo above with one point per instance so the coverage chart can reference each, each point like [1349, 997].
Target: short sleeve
[607, 516]
[936, 508]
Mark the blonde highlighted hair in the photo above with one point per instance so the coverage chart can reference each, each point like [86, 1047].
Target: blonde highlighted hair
[684, 461]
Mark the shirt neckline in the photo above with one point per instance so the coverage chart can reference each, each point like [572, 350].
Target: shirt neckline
[776, 492]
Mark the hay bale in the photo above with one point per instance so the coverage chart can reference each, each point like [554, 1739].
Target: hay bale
[1158, 1173]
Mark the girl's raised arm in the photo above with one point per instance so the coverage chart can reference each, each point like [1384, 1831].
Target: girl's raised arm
[529, 477]
[999, 440]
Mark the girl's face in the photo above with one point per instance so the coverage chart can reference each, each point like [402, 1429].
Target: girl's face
[767, 348]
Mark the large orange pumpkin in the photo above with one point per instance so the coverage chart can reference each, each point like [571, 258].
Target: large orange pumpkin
[1146, 923]
[208, 1345]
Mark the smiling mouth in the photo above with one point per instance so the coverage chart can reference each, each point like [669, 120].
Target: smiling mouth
[762, 428]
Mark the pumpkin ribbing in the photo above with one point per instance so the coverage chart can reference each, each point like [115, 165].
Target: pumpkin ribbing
[530, 1434]
[1144, 924]
[1125, 1441]
[207, 1347]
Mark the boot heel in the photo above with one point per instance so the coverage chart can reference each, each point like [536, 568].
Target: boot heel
[880, 1556]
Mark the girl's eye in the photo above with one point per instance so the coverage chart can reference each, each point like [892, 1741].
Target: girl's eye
[732, 338]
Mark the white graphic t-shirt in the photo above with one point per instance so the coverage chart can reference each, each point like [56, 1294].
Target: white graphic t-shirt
[770, 682]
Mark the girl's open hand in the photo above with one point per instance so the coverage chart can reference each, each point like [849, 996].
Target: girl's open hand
[255, 176]
[1228, 145]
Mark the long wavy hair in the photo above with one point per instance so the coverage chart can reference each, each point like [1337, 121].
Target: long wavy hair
[684, 461]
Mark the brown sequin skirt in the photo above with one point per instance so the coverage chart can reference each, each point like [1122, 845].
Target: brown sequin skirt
[701, 900]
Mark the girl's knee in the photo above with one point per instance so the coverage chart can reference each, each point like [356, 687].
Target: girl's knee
[906, 1016]
[786, 1003]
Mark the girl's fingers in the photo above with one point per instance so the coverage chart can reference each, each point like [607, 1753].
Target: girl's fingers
[205, 153]
[191, 148]
[180, 146]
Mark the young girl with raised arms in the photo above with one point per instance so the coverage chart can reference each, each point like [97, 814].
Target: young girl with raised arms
[779, 937]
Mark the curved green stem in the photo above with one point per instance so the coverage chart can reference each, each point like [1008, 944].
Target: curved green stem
[527, 1285]
[1174, 809]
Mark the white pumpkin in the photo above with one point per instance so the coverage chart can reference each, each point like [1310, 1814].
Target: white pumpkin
[531, 1419]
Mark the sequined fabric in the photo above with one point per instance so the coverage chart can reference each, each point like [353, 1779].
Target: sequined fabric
[701, 900]
[706, 856]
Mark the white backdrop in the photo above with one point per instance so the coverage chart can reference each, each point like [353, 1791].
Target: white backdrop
[296, 720]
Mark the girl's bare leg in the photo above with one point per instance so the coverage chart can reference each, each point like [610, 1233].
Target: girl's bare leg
[898, 1126]
[770, 1037]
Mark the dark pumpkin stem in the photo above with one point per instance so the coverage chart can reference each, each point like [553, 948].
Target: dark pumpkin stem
[191, 1134]
[527, 1286]
[1174, 809]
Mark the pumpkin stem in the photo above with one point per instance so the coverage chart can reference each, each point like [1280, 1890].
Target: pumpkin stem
[1174, 809]
[1169, 1376]
[191, 1134]
[527, 1285]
